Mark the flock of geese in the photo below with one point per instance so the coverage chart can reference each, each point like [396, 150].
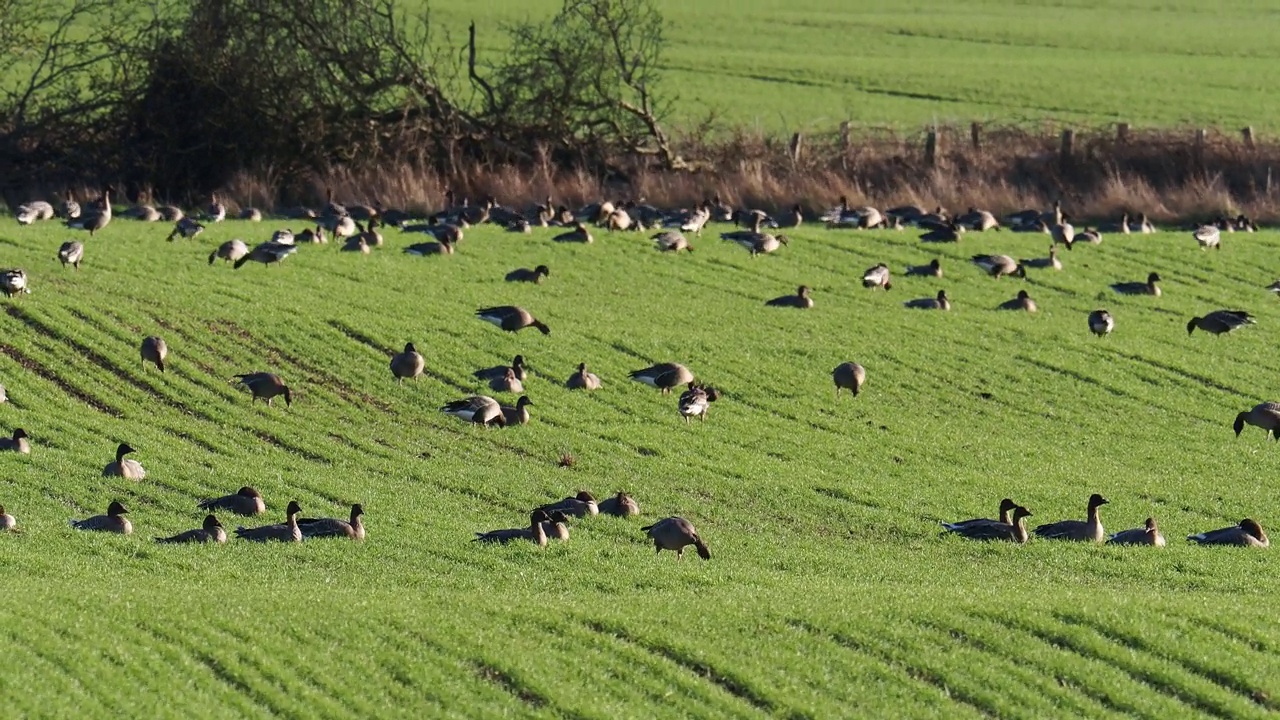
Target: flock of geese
[357, 227]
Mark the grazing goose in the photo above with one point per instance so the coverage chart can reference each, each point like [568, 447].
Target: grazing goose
[877, 277]
[357, 244]
[71, 253]
[534, 533]
[800, 300]
[620, 505]
[267, 253]
[1274, 287]
[1247, 534]
[1022, 218]
[288, 531]
[1220, 321]
[579, 234]
[1149, 534]
[114, 521]
[850, 376]
[231, 251]
[478, 409]
[998, 266]
[7, 521]
[1007, 506]
[264, 386]
[580, 505]
[762, 243]
[246, 501]
[946, 233]
[663, 376]
[1101, 323]
[941, 302]
[334, 527]
[94, 220]
[407, 364]
[511, 318]
[129, 469]
[14, 282]
[1050, 262]
[497, 371]
[933, 269]
[444, 247]
[211, 532]
[906, 213]
[284, 237]
[518, 415]
[582, 380]
[444, 232]
[1140, 288]
[1093, 237]
[671, 241]
[186, 228]
[556, 526]
[18, 443]
[1263, 415]
[978, 220]
[1081, 530]
[1013, 531]
[1208, 236]
[695, 402]
[1022, 302]
[530, 276]
[507, 383]
[676, 533]
[154, 350]
[251, 214]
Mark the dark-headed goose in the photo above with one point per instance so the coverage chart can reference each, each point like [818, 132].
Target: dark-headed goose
[511, 318]
[210, 532]
[518, 415]
[114, 521]
[478, 409]
[877, 277]
[1089, 530]
[1007, 506]
[695, 401]
[71, 253]
[534, 533]
[1013, 531]
[1247, 534]
[941, 302]
[530, 276]
[497, 371]
[1149, 534]
[933, 269]
[676, 533]
[246, 501]
[267, 253]
[352, 528]
[507, 383]
[408, 364]
[581, 505]
[1101, 323]
[18, 443]
[154, 350]
[582, 380]
[664, 376]
[800, 300]
[264, 386]
[126, 468]
[14, 282]
[999, 265]
[1220, 321]
[287, 531]
[620, 505]
[1022, 302]
[1140, 288]
[7, 521]
[1263, 415]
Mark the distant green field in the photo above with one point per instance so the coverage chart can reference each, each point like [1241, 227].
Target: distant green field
[810, 64]
[829, 592]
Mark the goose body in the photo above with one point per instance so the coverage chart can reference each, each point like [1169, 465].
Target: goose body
[7, 521]
[1220, 321]
[1046, 262]
[999, 265]
[579, 234]
[1247, 534]
[251, 214]
[933, 269]
[407, 364]
[230, 251]
[671, 241]
[357, 244]
[352, 528]
[267, 253]
[497, 371]
[18, 443]
[210, 532]
[71, 253]
[535, 275]
[508, 383]
[877, 277]
[946, 233]
[1023, 301]
[511, 318]
[620, 505]
[264, 386]
[663, 376]
[1208, 236]
[1149, 534]
[941, 302]
[849, 376]
[154, 350]
[1093, 237]
[14, 282]
[124, 467]
[534, 533]
[1089, 530]
[94, 219]
[1140, 288]
[288, 531]
[676, 533]
[246, 501]
[1013, 531]
[185, 228]
[695, 402]
[581, 505]
[1263, 415]
[114, 521]
[1101, 323]
[800, 300]
[478, 409]
[518, 415]
[444, 247]
[557, 526]
[583, 380]
[1007, 506]
[35, 211]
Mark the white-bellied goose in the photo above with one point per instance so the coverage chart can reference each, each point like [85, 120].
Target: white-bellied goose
[127, 468]
[478, 409]
[1101, 323]
[71, 253]
[1208, 236]
[999, 265]
[267, 253]
[1263, 415]
[695, 401]
[941, 302]
[877, 277]
[14, 282]
[511, 318]
[582, 380]
[663, 376]
[114, 521]
[231, 251]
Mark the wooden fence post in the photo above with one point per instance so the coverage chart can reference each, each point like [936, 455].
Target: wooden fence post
[1068, 141]
[975, 135]
[1122, 133]
[797, 142]
[931, 148]
[1246, 134]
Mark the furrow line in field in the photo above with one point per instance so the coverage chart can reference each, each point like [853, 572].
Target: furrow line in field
[66, 386]
[203, 656]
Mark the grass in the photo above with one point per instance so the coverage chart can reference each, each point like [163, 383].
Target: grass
[810, 64]
[829, 592]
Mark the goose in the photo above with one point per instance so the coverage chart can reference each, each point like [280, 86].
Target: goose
[300, 213]
[620, 505]
[1263, 415]
[288, 531]
[230, 251]
[1121, 227]
[7, 521]
[408, 364]
[998, 266]
[146, 213]
[534, 533]
[264, 386]
[877, 277]
[1082, 530]
[753, 218]
[1022, 218]
[1007, 506]
[1101, 323]
[1244, 224]
[595, 212]
[314, 237]
[478, 409]
[979, 220]
[1247, 534]
[1093, 237]
[1055, 215]
[1208, 236]
[34, 211]
[948, 233]
[1149, 534]
[391, 217]
[444, 247]
[211, 532]
[342, 227]
[440, 231]
[216, 212]
[114, 521]
[1140, 288]
[267, 253]
[1274, 287]
[95, 220]
[363, 212]
[582, 380]
[1220, 321]
[370, 233]
[583, 504]
[284, 237]
[71, 253]
[356, 244]
[352, 528]
[1039, 226]
[556, 527]
[850, 376]
[1144, 226]
[579, 234]
[1048, 262]
[19, 443]
[933, 269]
[507, 383]
[186, 228]
[941, 302]
[800, 300]
[906, 213]
[519, 225]
[14, 282]
[671, 241]
[530, 276]
[246, 501]
[743, 235]
[1013, 531]
[70, 208]
[154, 350]
[497, 371]
[1063, 233]
[129, 469]
[695, 402]
[511, 318]
[663, 376]
[763, 243]
[696, 221]
[619, 219]
[1022, 302]
[676, 533]
[518, 415]
[170, 213]
[251, 214]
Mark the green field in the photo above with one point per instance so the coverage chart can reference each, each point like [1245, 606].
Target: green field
[810, 64]
[829, 592]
